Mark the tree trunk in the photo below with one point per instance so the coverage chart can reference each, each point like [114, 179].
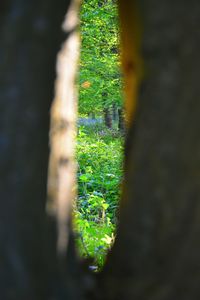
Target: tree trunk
[114, 112]
[31, 37]
[107, 118]
[121, 123]
[157, 251]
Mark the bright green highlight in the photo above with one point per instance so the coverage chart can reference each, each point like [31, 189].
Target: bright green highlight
[100, 76]
[99, 176]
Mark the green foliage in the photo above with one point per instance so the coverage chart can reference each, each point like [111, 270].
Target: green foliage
[99, 153]
[99, 166]
[94, 240]
[100, 78]
[99, 150]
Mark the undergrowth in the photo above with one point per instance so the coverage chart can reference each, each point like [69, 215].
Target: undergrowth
[99, 156]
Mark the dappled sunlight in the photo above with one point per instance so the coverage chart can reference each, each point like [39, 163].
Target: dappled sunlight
[99, 155]
[100, 132]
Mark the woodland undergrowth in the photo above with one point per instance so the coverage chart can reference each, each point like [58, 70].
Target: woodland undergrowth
[99, 156]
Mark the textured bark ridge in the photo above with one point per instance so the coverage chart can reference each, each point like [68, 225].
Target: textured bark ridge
[156, 255]
[30, 37]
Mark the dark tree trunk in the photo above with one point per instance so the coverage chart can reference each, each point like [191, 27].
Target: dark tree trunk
[107, 118]
[106, 111]
[121, 121]
[114, 112]
[30, 38]
[157, 252]
[92, 115]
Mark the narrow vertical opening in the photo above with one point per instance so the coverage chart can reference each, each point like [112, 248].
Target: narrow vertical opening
[101, 130]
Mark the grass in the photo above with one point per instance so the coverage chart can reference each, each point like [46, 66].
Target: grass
[99, 156]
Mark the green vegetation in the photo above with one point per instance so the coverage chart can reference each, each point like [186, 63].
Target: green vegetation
[100, 78]
[99, 145]
[99, 176]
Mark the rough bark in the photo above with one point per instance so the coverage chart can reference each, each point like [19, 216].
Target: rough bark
[156, 254]
[31, 36]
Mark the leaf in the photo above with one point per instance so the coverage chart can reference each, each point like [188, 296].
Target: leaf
[83, 178]
[107, 239]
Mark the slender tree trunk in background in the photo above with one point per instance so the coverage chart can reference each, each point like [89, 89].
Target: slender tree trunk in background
[106, 111]
[107, 118]
[157, 252]
[93, 116]
[114, 112]
[121, 123]
[30, 37]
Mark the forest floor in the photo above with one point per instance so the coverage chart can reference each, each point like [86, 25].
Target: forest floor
[99, 156]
